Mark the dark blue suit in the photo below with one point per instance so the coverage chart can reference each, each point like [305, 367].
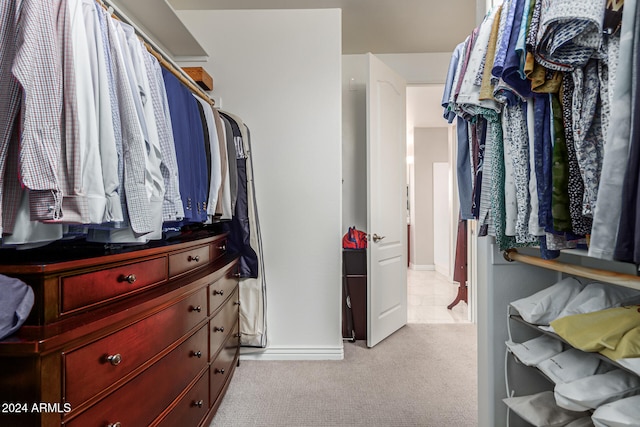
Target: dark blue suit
[190, 148]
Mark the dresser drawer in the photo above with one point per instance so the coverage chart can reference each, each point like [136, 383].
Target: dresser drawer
[111, 358]
[220, 290]
[185, 261]
[221, 368]
[218, 249]
[192, 408]
[84, 290]
[222, 324]
[143, 399]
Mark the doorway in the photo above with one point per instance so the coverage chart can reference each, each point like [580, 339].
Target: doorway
[433, 210]
[424, 123]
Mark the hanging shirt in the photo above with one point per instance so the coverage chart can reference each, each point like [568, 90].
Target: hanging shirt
[543, 158]
[80, 167]
[463, 162]
[516, 137]
[220, 207]
[470, 103]
[36, 68]
[90, 185]
[534, 209]
[138, 212]
[225, 200]
[448, 114]
[469, 95]
[628, 239]
[214, 147]
[570, 33]
[511, 71]
[606, 217]
[580, 225]
[521, 42]
[172, 209]
[587, 131]
[504, 33]
[231, 156]
[118, 220]
[484, 73]
[510, 193]
[102, 93]
[469, 45]
[154, 181]
[559, 171]
[463, 170]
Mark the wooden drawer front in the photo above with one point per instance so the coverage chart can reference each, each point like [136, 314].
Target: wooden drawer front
[218, 249]
[219, 291]
[222, 324]
[90, 288]
[141, 400]
[130, 348]
[192, 408]
[191, 259]
[221, 368]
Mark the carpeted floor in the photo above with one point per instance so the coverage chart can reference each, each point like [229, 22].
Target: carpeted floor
[424, 375]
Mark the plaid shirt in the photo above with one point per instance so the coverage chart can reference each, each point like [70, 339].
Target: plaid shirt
[137, 201]
[31, 73]
[172, 209]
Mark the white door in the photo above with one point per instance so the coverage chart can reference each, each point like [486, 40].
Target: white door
[387, 202]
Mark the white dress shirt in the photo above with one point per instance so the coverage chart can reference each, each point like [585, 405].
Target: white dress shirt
[102, 97]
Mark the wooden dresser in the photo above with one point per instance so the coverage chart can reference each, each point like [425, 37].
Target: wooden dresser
[122, 337]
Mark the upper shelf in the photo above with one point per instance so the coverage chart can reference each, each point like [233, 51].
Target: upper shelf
[161, 24]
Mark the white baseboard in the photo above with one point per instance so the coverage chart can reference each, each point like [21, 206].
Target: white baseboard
[292, 353]
[422, 267]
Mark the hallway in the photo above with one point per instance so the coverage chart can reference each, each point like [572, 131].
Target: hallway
[428, 295]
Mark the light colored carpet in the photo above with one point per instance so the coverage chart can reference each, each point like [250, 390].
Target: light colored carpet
[424, 375]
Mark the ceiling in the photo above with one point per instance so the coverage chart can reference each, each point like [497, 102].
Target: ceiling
[377, 26]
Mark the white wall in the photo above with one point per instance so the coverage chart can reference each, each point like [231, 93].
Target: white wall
[430, 145]
[419, 68]
[280, 70]
[441, 217]
[354, 141]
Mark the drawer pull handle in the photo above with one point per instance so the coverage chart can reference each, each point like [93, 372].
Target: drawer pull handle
[118, 424]
[218, 292]
[197, 354]
[128, 278]
[219, 371]
[238, 335]
[236, 275]
[114, 359]
[198, 403]
[236, 303]
[194, 258]
[222, 247]
[197, 309]
[220, 329]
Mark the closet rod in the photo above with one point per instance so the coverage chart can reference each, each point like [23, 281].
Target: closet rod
[627, 280]
[158, 53]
